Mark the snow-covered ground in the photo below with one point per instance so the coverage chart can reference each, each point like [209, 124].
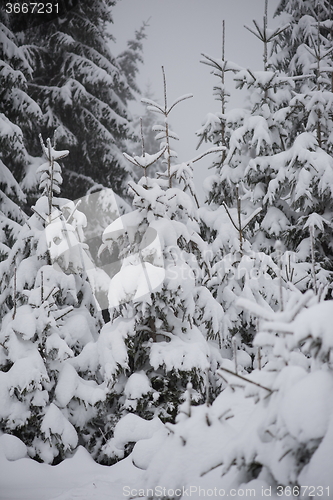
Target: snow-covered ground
[77, 478]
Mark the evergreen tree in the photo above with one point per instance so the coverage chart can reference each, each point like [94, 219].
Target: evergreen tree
[303, 22]
[214, 127]
[11, 216]
[304, 51]
[18, 112]
[83, 93]
[238, 270]
[128, 62]
[306, 46]
[144, 130]
[273, 426]
[161, 312]
[239, 226]
[270, 165]
[48, 315]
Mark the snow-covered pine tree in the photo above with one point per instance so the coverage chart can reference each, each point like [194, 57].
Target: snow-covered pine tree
[48, 315]
[231, 222]
[128, 62]
[161, 312]
[290, 49]
[273, 426]
[302, 191]
[214, 127]
[143, 126]
[287, 175]
[11, 215]
[306, 46]
[293, 433]
[83, 93]
[245, 132]
[258, 130]
[18, 112]
[308, 165]
[238, 270]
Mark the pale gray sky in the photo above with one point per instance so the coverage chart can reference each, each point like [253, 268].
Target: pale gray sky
[179, 31]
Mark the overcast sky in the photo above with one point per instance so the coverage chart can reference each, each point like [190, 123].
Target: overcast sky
[179, 31]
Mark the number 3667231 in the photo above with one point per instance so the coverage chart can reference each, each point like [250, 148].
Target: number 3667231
[32, 8]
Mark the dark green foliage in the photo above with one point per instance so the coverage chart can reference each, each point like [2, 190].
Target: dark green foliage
[83, 92]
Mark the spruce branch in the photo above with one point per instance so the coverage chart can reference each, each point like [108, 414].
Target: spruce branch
[14, 295]
[259, 358]
[42, 287]
[211, 468]
[152, 104]
[240, 229]
[246, 379]
[142, 138]
[207, 387]
[180, 99]
[225, 414]
[73, 211]
[208, 152]
[278, 247]
[234, 347]
[313, 261]
[39, 215]
[241, 224]
[51, 160]
[71, 308]
[229, 215]
[54, 290]
[264, 35]
[167, 129]
[146, 160]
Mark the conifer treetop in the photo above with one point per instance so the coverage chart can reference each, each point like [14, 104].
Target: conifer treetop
[165, 133]
[50, 172]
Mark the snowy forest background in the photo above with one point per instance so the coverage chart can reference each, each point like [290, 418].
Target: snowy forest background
[155, 342]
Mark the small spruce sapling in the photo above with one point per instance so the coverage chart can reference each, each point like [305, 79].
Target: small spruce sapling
[239, 224]
[48, 316]
[284, 441]
[161, 312]
[297, 354]
[165, 133]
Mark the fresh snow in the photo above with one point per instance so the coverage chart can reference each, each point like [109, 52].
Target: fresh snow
[76, 478]
[218, 318]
